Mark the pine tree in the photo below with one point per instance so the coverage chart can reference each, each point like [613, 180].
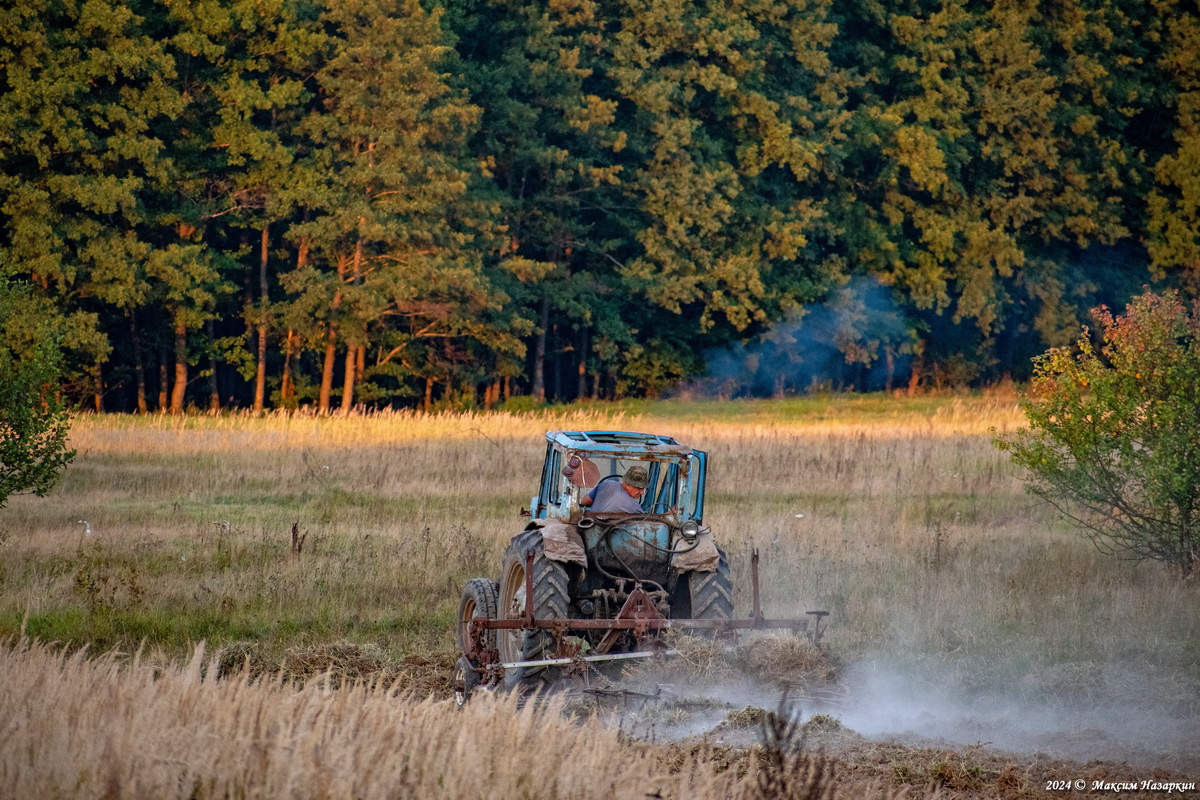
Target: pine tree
[263, 57]
[392, 218]
[733, 110]
[1174, 203]
[82, 88]
[554, 146]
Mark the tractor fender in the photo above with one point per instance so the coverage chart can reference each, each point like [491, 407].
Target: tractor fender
[701, 558]
[561, 541]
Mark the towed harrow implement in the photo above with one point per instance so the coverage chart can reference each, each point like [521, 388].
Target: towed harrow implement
[640, 616]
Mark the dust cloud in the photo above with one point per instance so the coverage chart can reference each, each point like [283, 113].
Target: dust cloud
[1076, 712]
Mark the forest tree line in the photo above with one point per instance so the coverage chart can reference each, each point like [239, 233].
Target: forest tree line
[332, 203]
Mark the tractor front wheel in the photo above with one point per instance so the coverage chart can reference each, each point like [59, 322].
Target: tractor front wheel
[550, 600]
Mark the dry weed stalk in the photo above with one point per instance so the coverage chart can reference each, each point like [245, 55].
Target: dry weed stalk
[787, 768]
[298, 538]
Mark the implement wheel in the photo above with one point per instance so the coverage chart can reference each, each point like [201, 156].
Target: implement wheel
[478, 600]
[550, 601]
[466, 680]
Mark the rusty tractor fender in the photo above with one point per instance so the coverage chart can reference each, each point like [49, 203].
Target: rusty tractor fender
[560, 541]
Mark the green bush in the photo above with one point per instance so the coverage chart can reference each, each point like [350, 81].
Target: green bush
[33, 423]
[1114, 435]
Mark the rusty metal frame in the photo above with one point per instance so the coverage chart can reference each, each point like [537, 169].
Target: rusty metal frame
[637, 615]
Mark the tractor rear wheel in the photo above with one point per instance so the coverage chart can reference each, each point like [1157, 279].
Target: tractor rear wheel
[712, 592]
[479, 599]
[550, 600]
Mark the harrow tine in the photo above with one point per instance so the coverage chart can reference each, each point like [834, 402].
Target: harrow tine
[559, 662]
[757, 615]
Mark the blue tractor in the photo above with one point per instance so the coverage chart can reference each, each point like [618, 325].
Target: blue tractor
[580, 585]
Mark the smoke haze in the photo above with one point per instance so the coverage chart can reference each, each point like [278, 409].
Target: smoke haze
[855, 340]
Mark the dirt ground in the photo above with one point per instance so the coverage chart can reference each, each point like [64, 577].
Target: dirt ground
[1041, 740]
[791, 695]
[922, 765]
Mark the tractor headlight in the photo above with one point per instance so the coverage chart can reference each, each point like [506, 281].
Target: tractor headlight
[689, 530]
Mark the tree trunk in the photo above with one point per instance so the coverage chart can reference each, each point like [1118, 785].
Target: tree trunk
[260, 377]
[302, 249]
[914, 380]
[539, 354]
[428, 395]
[214, 390]
[181, 370]
[352, 351]
[348, 383]
[327, 370]
[139, 365]
[163, 380]
[287, 389]
[323, 398]
[98, 388]
[558, 362]
[581, 365]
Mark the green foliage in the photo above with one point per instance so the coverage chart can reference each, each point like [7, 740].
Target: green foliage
[1174, 204]
[734, 110]
[33, 422]
[581, 198]
[1114, 436]
[82, 87]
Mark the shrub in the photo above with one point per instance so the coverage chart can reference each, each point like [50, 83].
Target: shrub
[33, 423]
[1114, 435]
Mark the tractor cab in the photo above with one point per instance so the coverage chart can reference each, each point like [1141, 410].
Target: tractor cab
[578, 461]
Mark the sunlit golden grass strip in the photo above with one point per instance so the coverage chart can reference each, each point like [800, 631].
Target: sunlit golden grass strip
[76, 728]
[737, 421]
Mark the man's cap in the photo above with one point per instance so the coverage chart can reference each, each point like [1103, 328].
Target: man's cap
[637, 477]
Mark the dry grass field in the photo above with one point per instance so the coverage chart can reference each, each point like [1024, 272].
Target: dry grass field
[967, 621]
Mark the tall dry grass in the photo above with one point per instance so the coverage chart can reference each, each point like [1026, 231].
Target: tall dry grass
[916, 533]
[114, 728]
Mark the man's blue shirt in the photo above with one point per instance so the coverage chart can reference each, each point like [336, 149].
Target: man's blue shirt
[611, 496]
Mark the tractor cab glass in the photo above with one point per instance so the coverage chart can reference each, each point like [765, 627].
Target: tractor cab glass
[576, 463]
[660, 495]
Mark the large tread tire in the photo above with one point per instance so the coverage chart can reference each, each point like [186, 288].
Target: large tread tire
[551, 600]
[479, 599]
[712, 592]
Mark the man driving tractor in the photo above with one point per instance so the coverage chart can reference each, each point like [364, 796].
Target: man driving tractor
[623, 496]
